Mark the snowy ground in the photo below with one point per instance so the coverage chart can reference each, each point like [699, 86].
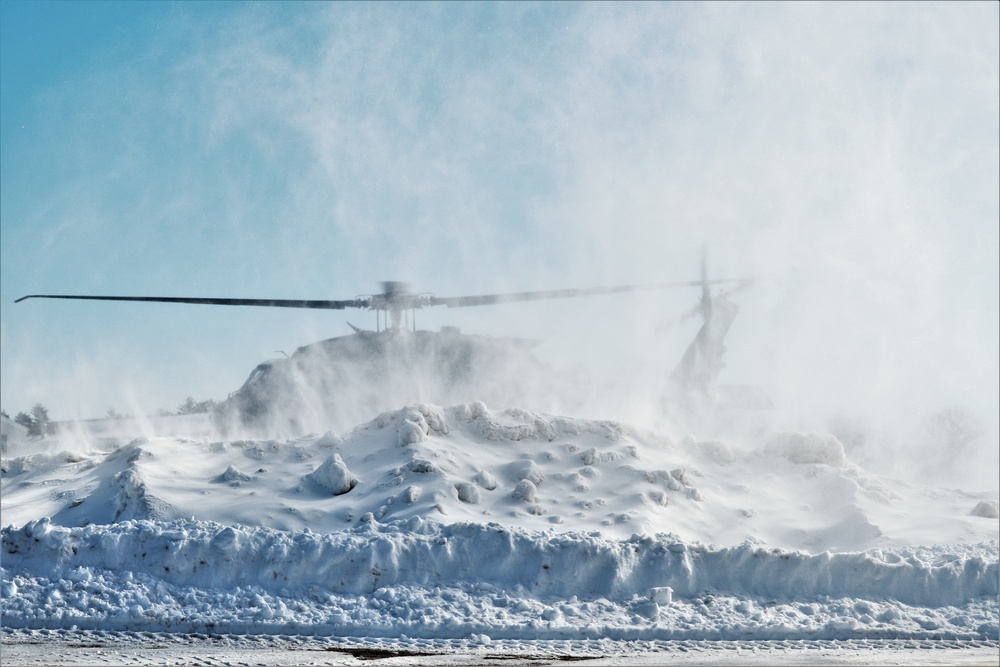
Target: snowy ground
[482, 537]
[74, 647]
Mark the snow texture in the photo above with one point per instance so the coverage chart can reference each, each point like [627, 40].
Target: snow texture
[455, 522]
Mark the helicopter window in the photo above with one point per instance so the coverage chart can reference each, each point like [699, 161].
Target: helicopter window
[257, 374]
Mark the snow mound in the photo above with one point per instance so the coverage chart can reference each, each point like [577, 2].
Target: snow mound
[232, 475]
[807, 448]
[517, 468]
[332, 476]
[118, 490]
[989, 509]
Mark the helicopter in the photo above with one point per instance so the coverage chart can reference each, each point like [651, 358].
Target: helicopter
[372, 371]
[396, 298]
[694, 393]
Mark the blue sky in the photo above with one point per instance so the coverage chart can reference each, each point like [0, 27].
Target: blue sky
[848, 152]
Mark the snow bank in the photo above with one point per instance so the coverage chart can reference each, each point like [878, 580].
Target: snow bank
[144, 573]
[415, 552]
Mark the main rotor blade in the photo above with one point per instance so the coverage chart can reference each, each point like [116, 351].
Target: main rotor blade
[277, 303]
[745, 283]
[488, 299]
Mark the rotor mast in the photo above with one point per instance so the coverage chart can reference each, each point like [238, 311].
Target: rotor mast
[395, 298]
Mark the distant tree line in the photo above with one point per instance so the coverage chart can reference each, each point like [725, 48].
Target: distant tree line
[36, 421]
[188, 407]
[193, 407]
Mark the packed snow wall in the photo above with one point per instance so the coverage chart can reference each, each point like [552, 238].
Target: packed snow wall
[422, 578]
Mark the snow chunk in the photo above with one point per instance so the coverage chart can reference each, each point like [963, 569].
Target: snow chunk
[410, 433]
[526, 470]
[680, 475]
[411, 495]
[417, 422]
[329, 440]
[233, 475]
[988, 509]
[525, 491]
[807, 448]
[485, 480]
[422, 466]
[333, 476]
[662, 595]
[227, 539]
[717, 451]
[468, 493]
[38, 529]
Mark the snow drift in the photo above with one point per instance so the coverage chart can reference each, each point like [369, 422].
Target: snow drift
[424, 553]
[440, 522]
[420, 578]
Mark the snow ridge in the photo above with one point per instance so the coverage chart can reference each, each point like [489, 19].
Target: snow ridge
[426, 553]
[423, 578]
